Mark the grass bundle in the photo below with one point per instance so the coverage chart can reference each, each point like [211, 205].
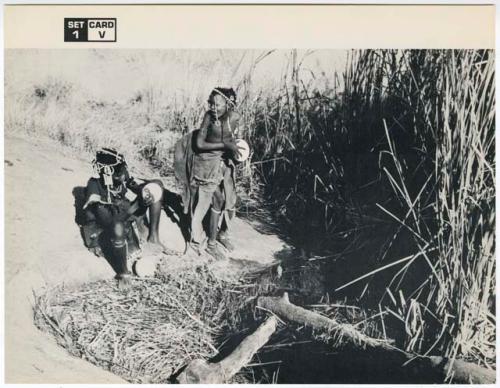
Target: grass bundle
[146, 333]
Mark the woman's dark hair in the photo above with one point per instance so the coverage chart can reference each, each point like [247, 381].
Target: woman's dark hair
[108, 157]
[112, 158]
[228, 93]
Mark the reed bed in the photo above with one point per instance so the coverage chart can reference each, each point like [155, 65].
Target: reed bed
[445, 198]
[406, 145]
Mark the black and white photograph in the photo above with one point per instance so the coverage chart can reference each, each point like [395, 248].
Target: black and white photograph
[249, 216]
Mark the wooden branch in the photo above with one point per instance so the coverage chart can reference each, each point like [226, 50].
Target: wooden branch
[458, 371]
[284, 309]
[463, 372]
[202, 372]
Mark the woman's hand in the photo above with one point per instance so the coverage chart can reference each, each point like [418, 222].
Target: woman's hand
[147, 198]
[133, 208]
[231, 146]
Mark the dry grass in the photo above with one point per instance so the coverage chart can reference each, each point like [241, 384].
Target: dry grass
[148, 332]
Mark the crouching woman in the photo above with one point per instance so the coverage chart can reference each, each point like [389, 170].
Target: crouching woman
[111, 215]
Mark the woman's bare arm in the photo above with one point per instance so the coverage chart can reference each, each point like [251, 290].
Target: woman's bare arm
[203, 145]
[201, 138]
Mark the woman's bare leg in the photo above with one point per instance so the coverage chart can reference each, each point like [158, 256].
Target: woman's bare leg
[202, 205]
[215, 212]
[154, 222]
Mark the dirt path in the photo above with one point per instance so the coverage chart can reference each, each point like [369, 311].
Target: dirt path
[44, 248]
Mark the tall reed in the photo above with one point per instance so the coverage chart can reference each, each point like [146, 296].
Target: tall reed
[418, 127]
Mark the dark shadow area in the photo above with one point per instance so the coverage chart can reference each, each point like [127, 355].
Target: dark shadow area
[79, 197]
[293, 357]
[173, 378]
[260, 214]
[172, 204]
[314, 362]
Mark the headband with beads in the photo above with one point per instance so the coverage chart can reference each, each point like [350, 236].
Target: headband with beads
[108, 167]
[233, 103]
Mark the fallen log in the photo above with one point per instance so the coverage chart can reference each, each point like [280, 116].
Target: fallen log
[459, 371]
[463, 372]
[202, 372]
[336, 330]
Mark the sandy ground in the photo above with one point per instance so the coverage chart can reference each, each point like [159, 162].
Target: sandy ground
[44, 248]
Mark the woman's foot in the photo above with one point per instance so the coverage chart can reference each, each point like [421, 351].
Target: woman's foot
[135, 255]
[214, 250]
[194, 247]
[224, 239]
[153, 238]
[97, 251]
[124, 281]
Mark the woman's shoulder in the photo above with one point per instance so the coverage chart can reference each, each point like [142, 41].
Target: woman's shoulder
[207, 118]
[234, 116]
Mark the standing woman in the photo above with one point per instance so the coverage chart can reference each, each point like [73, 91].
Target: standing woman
[208, 173]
